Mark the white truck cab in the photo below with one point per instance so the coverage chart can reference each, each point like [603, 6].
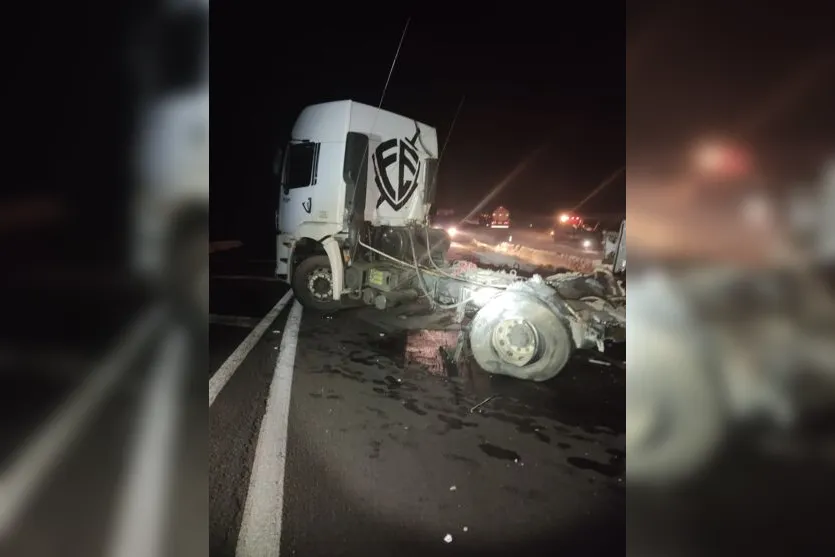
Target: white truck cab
[351, 172]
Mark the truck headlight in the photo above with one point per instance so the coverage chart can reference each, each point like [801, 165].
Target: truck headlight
[452, 231]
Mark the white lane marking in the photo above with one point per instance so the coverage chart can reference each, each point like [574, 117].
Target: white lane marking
[32, 465]
[260, 534]
[224, 373]
[139, 529]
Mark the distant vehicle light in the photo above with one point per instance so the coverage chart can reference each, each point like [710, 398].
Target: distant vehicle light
[563, 218]
[586, 244]
[452, 231]
[551, 232]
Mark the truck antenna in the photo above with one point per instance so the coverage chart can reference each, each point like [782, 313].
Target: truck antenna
[449, 133]
[394, 62]
[353, 250]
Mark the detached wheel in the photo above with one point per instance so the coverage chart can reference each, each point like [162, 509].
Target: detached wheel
[517, 335]
[313, 284]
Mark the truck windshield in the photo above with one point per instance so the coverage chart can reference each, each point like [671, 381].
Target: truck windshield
[300, 165]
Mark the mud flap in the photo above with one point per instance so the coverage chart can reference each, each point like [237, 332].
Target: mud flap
[337, 266]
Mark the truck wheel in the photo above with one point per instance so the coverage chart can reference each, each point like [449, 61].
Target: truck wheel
[313, 284]
[517, 335]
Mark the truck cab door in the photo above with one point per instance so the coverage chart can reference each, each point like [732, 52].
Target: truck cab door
[297, 178]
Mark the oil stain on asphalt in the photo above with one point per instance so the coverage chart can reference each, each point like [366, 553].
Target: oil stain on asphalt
[497, 452]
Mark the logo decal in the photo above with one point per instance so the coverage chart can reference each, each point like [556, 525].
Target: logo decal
[307, 205]
[403, 154]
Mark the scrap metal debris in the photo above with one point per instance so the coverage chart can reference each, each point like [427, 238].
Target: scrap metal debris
[448, 538]
[482, 403]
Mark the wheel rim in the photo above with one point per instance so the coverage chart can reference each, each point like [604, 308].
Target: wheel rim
[515, 341]
[320, 284]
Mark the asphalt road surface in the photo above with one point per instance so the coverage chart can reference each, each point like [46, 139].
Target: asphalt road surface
[342, 435]
[102, 411]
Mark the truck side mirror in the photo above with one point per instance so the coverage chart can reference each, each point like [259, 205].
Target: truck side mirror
[279, 157]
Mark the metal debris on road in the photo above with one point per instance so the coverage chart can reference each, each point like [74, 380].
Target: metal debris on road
[482, 403]
[452, 488]
[464, 529]
[448, 538]
[599, 362]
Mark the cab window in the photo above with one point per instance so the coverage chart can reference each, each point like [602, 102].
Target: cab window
[300, 165]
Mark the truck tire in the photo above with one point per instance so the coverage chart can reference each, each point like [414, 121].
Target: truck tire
[553, 345]
[312, 284]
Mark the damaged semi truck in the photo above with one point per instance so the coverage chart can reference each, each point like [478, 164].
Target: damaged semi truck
[357, 184]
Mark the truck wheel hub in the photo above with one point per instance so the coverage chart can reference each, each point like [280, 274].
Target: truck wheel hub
[515, 341]
[320, 285]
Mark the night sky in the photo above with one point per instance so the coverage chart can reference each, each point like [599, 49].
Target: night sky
[563, 77]
[530, 80]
